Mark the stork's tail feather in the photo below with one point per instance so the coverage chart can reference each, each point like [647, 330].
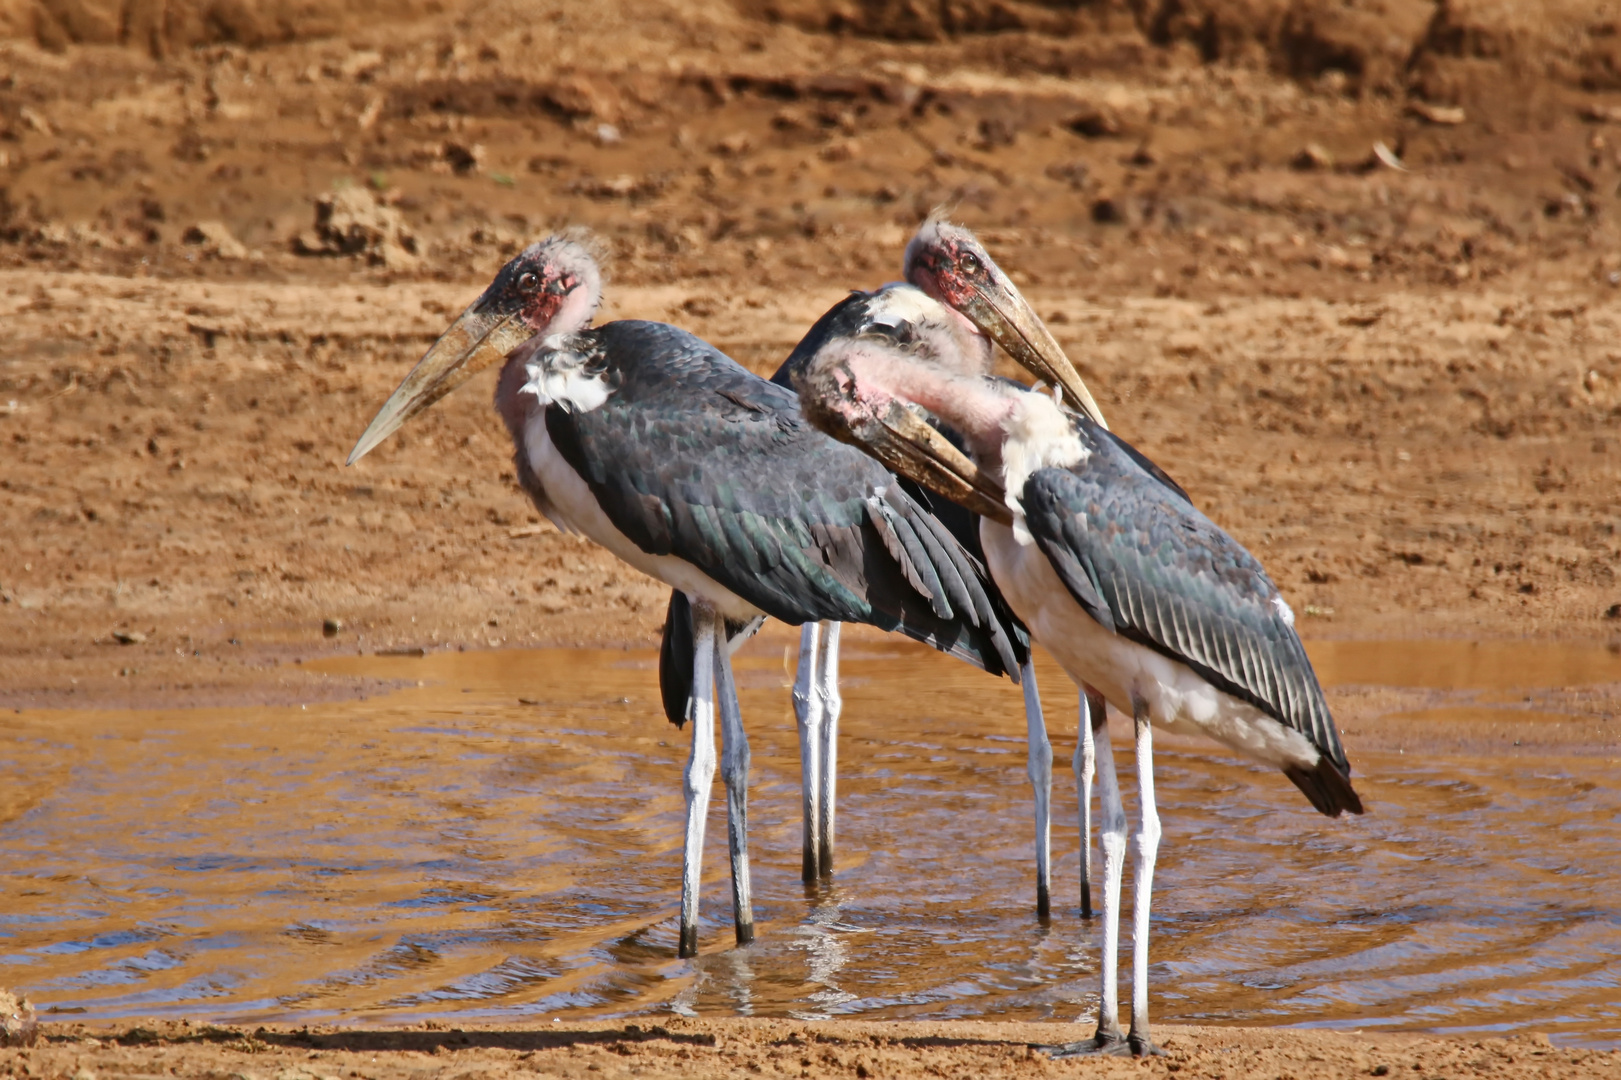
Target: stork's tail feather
[676, 651]
[1328, 789]
[675, 658]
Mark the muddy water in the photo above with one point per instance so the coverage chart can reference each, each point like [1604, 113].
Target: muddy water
[500, 838]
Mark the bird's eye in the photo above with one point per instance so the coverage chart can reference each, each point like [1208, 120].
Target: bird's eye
[901, 333]
[527, 281]
[969, 262]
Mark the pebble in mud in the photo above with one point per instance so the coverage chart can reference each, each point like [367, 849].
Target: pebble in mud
[18, 1024]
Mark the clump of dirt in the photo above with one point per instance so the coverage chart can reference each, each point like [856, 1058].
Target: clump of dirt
[215, 239]
[19, 1026]
[353, 221]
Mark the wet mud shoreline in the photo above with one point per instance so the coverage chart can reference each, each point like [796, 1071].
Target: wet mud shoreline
[678, 1047]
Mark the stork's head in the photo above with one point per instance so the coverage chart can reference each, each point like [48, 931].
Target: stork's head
[883, 362]
[552, 287]
[948, 262]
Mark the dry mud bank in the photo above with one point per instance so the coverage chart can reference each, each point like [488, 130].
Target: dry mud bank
[1404, 466]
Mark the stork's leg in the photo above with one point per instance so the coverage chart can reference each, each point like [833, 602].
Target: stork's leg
[827, 687]
[734, 772]
[1093, 711]
[1039, 766]
[1112, 838]
[808, 711]
[1142, 887]
[700, 774]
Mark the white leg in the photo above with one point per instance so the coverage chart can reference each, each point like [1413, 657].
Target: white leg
[734, 772]
[1112, 838]
[1142, 887]
[1039, 766]
[827, 687]
[1093, 712]
[808, 712]
[700, 774]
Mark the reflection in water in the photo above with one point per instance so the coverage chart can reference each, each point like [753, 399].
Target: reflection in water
[821, 938]
[453, 848]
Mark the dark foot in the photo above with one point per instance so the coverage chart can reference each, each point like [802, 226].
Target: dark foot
[689, 942]
[745, 933]
[1044, 903]
[1103, 1044]
[1086, 899]
[1143, 1046]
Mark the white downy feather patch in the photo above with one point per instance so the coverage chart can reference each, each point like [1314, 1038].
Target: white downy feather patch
[557, 376]
[898, 303]
[1039, 436]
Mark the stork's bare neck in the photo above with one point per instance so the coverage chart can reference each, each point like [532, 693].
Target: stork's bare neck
[899, 349]
[869, 378]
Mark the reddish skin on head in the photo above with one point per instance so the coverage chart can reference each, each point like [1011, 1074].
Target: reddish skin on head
[946, 269]
[534, 286]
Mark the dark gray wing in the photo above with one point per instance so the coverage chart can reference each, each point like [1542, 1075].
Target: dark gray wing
[695, 457]
[1146, 564]
[1147, 465]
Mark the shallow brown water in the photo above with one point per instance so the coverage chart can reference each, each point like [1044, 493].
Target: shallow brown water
[1466, 665]
[450, 849]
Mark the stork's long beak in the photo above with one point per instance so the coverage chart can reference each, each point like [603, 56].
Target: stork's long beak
[477, 339]
[923, 454]
[905, 442]
[1003, 313]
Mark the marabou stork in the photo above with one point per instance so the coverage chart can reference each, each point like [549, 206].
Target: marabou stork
[697, 472]
[949, 264]
[1131, 589]
[932, 260]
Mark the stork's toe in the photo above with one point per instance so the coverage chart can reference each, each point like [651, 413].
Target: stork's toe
[1142, 1046]
[1103, 1044]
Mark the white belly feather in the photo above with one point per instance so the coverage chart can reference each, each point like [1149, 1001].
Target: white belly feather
[575, 509]
[1177, 698]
